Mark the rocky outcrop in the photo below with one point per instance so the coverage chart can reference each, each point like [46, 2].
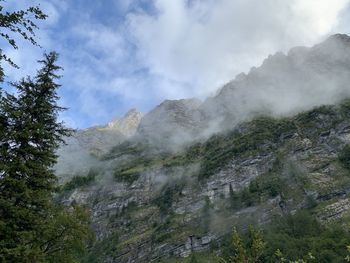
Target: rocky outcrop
[335, 210]
[173, 121]
[128, 124]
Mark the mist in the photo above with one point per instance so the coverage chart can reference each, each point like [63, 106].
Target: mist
[283, 85]
[154, 50]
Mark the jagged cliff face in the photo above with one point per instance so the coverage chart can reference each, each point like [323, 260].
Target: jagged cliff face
[165, 204]
[149, 201]
[283, 85]
[127, 125]
[172, 121]
[286, 84]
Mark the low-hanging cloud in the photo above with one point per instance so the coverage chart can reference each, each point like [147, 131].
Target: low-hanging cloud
[203, 44]
[164, 49]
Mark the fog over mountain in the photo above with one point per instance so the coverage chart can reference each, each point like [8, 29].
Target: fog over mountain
[175, 180]
[133, 53]
[82, 149]
[284, 84]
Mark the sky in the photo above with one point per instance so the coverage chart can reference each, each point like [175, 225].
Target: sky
[123, 54]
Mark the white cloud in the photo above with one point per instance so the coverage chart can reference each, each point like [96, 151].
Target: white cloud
[188, 48]
[206, 43]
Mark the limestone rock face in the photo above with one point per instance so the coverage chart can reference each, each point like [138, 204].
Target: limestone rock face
[285, 84]
[128, 124]
[175, 121]
[163, 203]
[162, 209]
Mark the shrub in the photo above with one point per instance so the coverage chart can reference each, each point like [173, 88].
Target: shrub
[80, 181]
[344, 157]
[128, 175]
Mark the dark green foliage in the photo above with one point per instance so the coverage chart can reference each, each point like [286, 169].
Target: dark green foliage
[66, 235]
[299, 234]
[311, 202]
[132, 206]
[107, 247]
[130, 170]
[30, 137]
[193, 259]
[80, 181]
[296, 237]
[269, 184]
[263, 132]
[205, 217]
[127, 148]
[168, 194]
[243, 247]
[235, 200]
[128, 175]
[344, 157]
[162, 231]
[18, 23]
[262, 187]
[345, 108]
[165, 201]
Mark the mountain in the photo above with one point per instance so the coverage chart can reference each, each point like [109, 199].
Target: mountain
[126, 125]
[269, 143]
[283, 85]
[85, 146]
[172, 121]
[286, 84]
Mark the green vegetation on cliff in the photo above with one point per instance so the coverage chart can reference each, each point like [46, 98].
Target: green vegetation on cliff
[262, 169]
[289, 238]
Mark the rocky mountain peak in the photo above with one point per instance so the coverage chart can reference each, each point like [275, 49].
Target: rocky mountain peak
[284, 84]
[132, 112]
[128, 124]
[188, 103]
[174, 120]
[342, 38]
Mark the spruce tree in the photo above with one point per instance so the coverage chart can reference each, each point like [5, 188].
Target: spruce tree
[33, 228]
[18, 23]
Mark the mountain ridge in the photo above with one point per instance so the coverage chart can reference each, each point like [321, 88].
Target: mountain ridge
[163, 204]
[284, 84]
[243, 159]
[197, 118]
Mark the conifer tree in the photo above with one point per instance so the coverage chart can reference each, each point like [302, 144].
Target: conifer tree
[32, 227]
[18, 23]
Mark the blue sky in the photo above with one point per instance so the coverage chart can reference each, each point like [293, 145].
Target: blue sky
[122, 54]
